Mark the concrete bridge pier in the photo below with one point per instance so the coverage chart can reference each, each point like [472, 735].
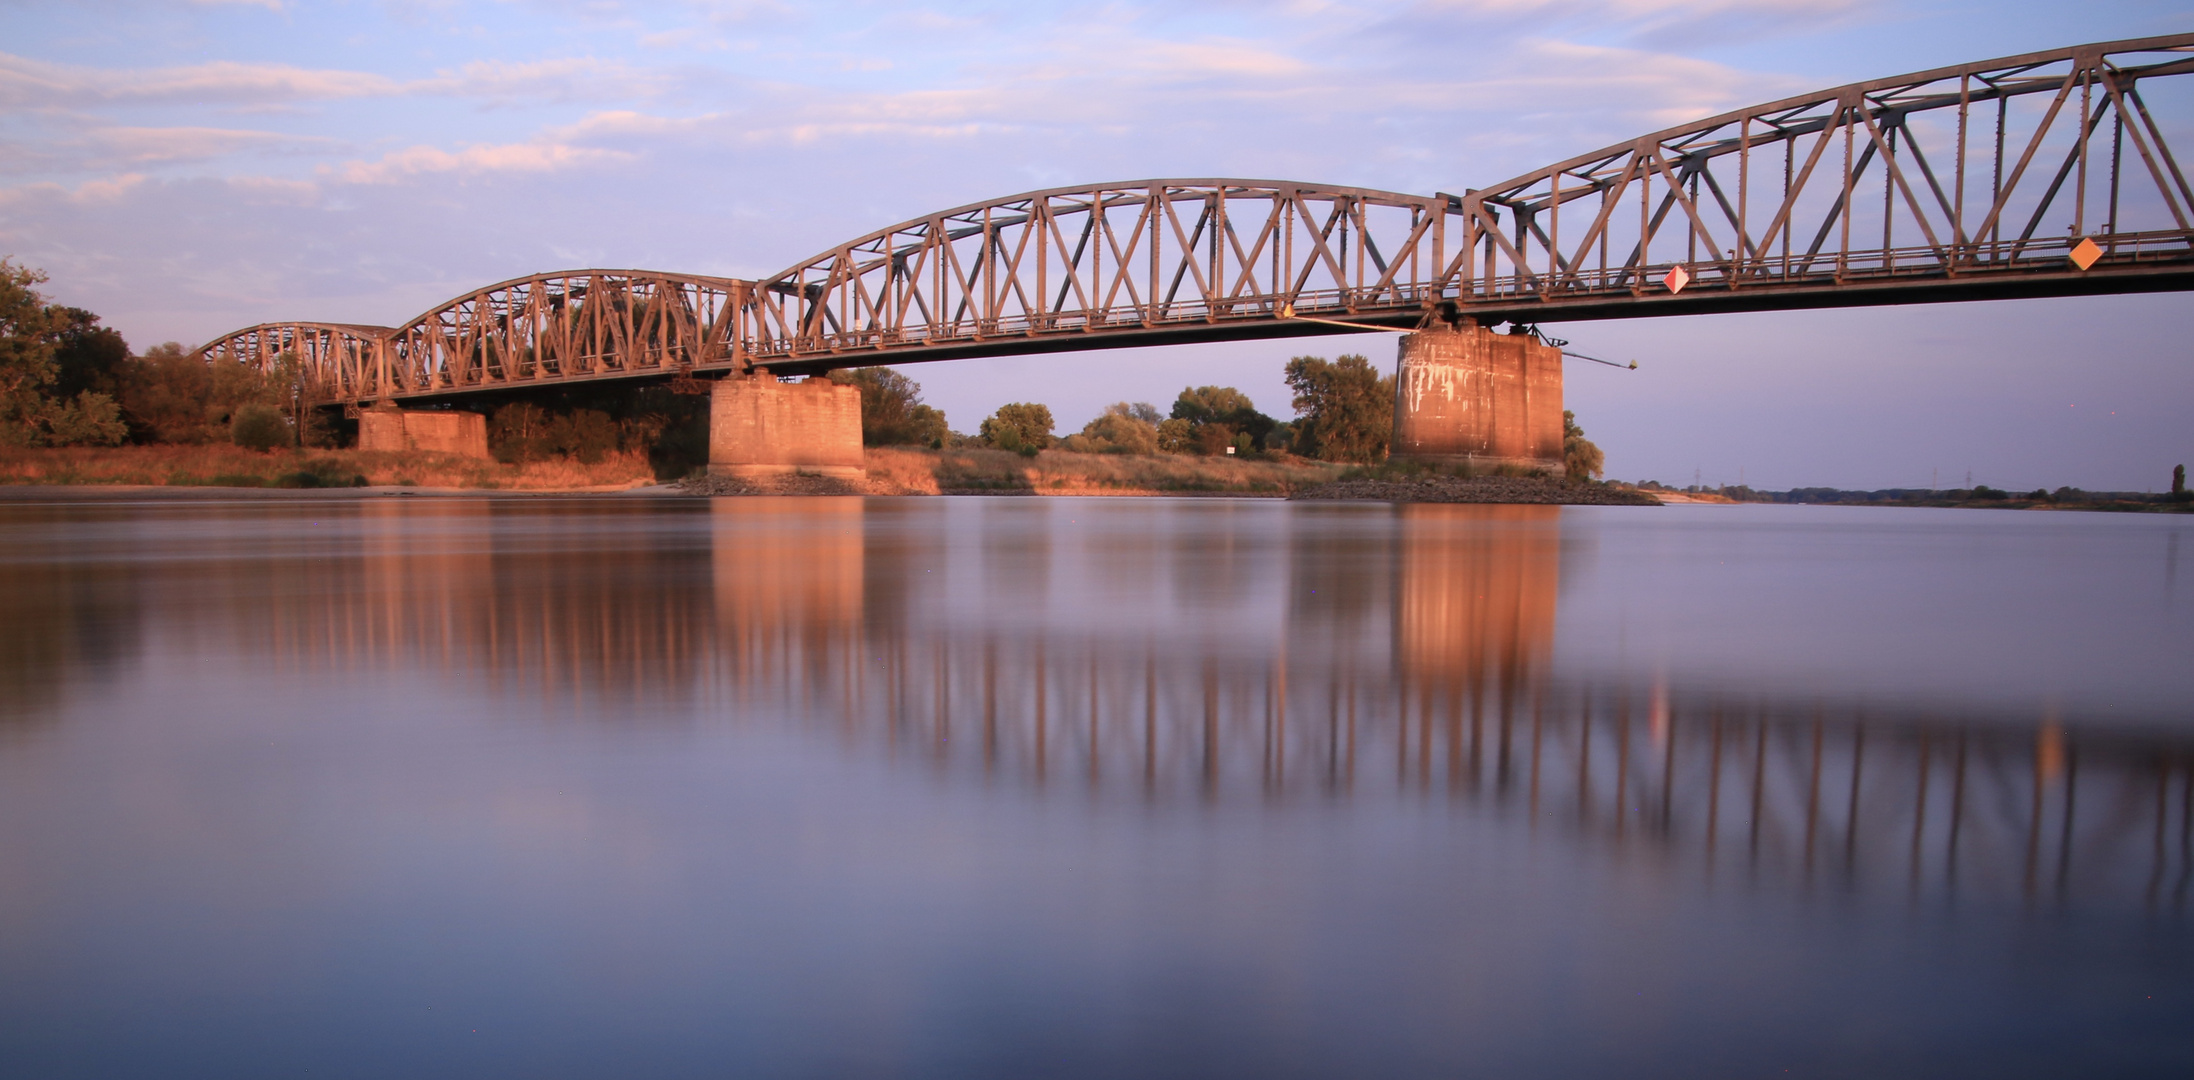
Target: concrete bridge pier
[386, 427]
[758, 426]
[1467, 396]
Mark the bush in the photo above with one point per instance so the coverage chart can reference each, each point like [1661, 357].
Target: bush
[1176, 436]
[1118, 431]
[518, 433]
[585, 435]
[1580, 458]
[1021, 427]
[522, 432]
[321, 473]
[259, 427]
[93, 419]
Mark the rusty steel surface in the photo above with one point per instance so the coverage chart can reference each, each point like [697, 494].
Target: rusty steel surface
[1970, 182]
[2048, 174]
[547, 328]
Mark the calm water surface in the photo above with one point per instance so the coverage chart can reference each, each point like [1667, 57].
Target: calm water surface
[1092, 788]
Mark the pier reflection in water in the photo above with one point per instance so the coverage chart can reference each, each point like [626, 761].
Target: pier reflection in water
[1196, 661]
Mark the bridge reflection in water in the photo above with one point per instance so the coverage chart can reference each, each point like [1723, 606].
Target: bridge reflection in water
[1412, 660]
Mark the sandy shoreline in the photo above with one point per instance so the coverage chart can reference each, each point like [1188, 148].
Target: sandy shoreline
[196, 493]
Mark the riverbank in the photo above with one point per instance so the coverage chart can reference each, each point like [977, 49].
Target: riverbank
[1974, 498]
[223, 466]
[1442, 488]
[231, 470]
[898, 470]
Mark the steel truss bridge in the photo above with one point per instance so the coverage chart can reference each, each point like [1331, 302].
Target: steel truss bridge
[2048, 174]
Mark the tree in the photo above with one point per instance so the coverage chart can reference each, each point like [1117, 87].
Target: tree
[34, 411]
[164, 396]
[1176, 436]
[1119, 430]
[1345, 408]
[892, 413]
[1210, 404]
[1580, 459]
[1021, 427]
[86, 355]
[259, 427]
[523, 431]
[1218, 417]
[26, 354]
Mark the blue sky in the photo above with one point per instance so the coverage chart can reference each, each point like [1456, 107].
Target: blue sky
[188, 168]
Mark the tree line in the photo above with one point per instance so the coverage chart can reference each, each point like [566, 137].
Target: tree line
[66, 380]
[1344, 411]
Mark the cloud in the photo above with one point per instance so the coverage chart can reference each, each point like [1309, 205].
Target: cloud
[91, 147]
[28, 83]
[1652, 23]
[545, 80]
[91, 192]
[36, 84]
[148, 145]
[264, 190]
[473, 160]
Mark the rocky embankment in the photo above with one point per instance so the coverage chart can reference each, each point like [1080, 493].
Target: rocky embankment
[1436, 488]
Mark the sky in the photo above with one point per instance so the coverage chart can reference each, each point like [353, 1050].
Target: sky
[189, 168]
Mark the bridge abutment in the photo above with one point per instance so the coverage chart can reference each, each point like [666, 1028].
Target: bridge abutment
[1470, 397]
[758, 426]
[462, 433]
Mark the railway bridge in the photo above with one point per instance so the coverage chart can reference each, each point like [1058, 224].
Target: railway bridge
[2047, 174]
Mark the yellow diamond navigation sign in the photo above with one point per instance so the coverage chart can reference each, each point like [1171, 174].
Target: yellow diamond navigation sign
[2086, 252]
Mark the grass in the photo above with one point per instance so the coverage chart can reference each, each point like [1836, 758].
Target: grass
[1416, 470]
[891, 471]
[234, 466]
[909, 471]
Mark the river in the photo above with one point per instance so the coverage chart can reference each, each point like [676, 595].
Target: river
[1022, 787]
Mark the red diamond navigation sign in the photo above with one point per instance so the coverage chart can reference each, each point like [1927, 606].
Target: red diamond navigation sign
[2086, 252]
[1679, 277]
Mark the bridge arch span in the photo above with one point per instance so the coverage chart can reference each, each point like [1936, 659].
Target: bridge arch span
[2046, 174]
[336, 360]
[560, 327]
[1128, 263]
[1977, 181]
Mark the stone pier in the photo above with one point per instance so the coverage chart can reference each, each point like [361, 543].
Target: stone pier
[758, 426]
[1468, 396]
[461, 433]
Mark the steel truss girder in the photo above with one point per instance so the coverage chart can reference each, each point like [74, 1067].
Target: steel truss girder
[1935, 185]
[544, 328]
[1941, 185]
[1133, 259]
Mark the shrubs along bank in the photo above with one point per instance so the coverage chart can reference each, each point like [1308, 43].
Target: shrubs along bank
[234, 466]
[978, 470]
[1434, 487]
